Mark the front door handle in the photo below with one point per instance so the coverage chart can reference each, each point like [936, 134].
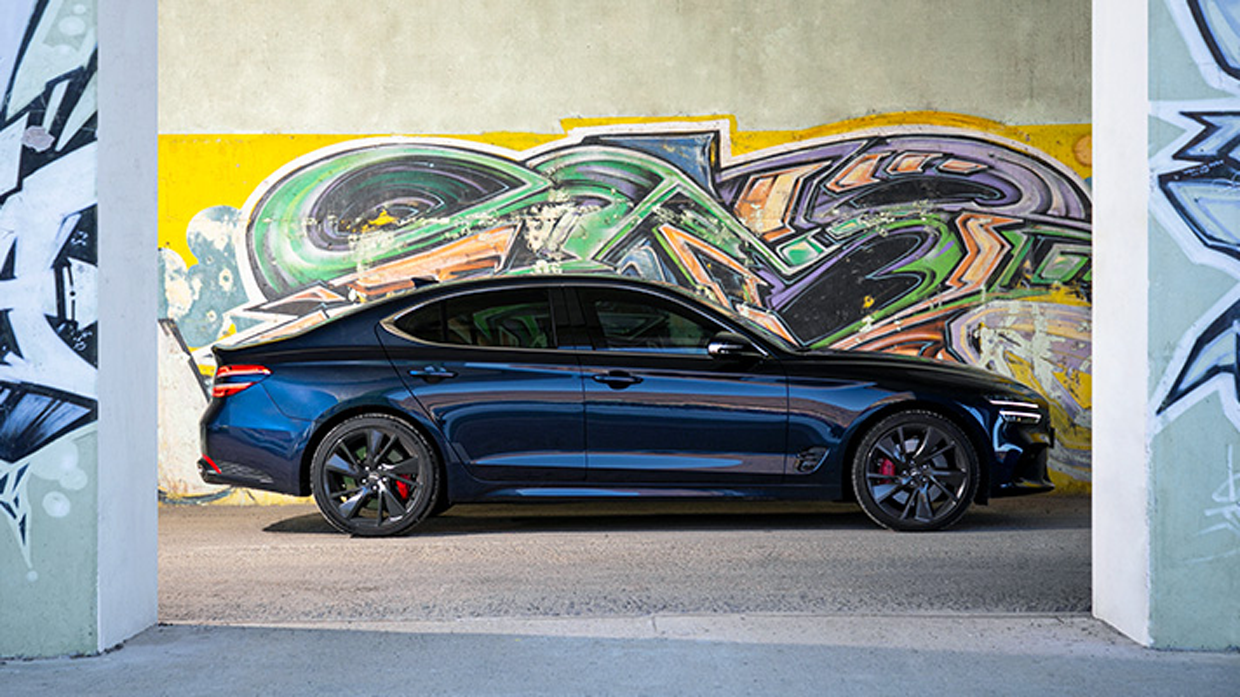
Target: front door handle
[432, 372]
[617, 379]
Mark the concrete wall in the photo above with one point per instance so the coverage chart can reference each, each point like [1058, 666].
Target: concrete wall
[473, 66]
[1194, 309]
[77, 541]
[250, 94]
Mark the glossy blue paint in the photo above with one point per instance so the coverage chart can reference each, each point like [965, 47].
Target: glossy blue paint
[509, 415]
[589, 420]
[249, 430]
[690, 419]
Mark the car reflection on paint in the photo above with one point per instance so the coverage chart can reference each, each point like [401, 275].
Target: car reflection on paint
[580, 387]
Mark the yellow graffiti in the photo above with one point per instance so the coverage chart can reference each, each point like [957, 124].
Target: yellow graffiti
[203, 170]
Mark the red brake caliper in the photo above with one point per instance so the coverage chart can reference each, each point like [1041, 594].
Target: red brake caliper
[887, 468]
[403, 488]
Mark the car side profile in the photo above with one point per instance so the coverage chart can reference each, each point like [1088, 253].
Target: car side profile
[518, 388]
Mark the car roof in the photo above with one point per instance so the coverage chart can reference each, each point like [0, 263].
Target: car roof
[397, 303]
[545, 279]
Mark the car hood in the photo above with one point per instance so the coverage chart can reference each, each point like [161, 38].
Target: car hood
[881, 367]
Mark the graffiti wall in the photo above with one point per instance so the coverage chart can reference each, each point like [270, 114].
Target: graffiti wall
[928, 234]
[1195, 206]
[47, 301]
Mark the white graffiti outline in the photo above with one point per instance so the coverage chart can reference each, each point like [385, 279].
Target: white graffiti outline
[43, 194]
[1175, 113]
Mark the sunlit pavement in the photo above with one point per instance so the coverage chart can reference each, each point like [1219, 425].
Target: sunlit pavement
[655, 655]
[655, 599]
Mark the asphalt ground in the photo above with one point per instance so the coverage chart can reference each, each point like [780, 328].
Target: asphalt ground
[282, 564]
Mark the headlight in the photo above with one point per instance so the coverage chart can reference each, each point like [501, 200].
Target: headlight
[1018, 411]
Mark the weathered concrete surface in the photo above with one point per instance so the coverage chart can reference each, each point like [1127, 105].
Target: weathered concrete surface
[658, 655]
[284, 564]
[448, 66]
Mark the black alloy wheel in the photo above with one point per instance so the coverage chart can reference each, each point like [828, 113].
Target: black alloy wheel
[915, 471]
[374, 475]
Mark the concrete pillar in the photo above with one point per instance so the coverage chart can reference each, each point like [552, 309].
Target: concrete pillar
[77, 338]
[1120, 465]
[128, 380]
[1167, 313]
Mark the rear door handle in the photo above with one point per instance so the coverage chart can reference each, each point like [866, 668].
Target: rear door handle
[432, 372]
[617, 380]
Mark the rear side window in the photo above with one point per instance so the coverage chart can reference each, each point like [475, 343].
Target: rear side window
[424, 323]
[497, 319]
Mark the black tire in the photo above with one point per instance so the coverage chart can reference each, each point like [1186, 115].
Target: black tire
[915, 471]
[374, 475]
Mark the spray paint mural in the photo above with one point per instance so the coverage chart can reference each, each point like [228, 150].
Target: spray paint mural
[942, 242]
[1197, 201]
[47, 268]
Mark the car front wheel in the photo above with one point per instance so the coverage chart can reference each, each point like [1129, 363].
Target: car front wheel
[915, 471]
[374, 475]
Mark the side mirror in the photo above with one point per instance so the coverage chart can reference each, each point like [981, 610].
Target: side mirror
[731, 345]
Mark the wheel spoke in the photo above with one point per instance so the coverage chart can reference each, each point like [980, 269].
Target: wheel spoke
[887, 453]
[342, 460]
[385, 449]
[942, 451]
[954, 478]
[351, 507]
[345, 492]
[379, 506]
[908, 505]
[374, 443]
[924, 510]
[884, 491]
[394, 503]
[922, 444]
[403, 480]
[404, 466]
[950, 494]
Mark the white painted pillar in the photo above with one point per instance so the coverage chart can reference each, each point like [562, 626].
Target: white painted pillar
[1121, 521]
[128, 288]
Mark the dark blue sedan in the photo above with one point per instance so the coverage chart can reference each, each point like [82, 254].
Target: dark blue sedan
[579, 387]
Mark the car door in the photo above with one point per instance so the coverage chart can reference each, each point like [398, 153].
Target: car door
[486, 368]
[661, 410]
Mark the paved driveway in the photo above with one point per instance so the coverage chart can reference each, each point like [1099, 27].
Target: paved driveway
[284, 564]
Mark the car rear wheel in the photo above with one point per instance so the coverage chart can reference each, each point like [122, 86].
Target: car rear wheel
[915, 471]
[374, 475]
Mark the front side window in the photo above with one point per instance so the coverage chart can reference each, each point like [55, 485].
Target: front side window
[638, 322]
[497, 319]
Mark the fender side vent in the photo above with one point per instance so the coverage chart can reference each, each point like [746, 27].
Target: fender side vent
[811, 459]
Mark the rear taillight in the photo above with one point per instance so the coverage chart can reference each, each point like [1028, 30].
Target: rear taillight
[231, 379]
